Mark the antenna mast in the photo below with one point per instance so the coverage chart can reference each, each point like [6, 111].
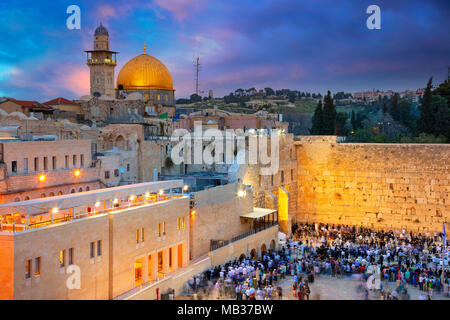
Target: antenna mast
[197, 70]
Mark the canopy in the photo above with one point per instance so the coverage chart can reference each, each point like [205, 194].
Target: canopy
[258, 213]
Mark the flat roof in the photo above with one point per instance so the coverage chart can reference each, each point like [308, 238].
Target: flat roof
[258, 213]
[90, 197]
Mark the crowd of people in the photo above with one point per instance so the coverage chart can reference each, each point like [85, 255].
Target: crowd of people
[377, 258]
[419, 260]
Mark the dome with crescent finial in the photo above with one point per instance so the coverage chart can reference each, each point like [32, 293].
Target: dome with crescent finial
[101, 31]
[144, 72]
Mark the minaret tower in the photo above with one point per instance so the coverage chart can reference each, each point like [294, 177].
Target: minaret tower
[101, 61]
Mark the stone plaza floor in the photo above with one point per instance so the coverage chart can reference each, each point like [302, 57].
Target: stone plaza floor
[331, 288]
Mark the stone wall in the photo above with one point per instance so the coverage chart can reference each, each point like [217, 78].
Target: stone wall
[382, 186]
[217, 216]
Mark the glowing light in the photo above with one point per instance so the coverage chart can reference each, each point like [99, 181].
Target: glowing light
[147, 194]
[161, 192]
[42, 177]
[241, 193]
[193, 212]
[185, 187]
[97, 204]
[132, 197]
[55, 210]
[77, 173]
[116, 201]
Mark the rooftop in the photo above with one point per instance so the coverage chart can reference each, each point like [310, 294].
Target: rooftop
[36, 213]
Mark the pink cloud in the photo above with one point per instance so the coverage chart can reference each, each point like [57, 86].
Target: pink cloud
[75, 79]
[181, 9]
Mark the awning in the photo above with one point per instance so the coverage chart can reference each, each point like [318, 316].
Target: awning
[258, 213]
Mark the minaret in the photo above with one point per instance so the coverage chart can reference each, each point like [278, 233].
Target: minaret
[101, 62]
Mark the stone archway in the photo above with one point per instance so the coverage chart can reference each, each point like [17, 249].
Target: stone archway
[254, 254]
[241, 257]
[120, 143]
[263, 248]
[272, 245]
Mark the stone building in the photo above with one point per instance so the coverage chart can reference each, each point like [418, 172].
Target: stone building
[144, 86]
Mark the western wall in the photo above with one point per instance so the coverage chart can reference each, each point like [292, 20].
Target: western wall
[382, 186]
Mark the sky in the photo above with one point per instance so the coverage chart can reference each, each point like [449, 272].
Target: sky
[306, 45]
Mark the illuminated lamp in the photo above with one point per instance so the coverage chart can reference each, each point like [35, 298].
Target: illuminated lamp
[42, 177]
[116, 201]
[55, 210]
[241, 193]
[185, 187]
[97, 204]
[77, 173]
[193, 212]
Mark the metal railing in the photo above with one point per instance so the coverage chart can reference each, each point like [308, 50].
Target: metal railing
[216, 244]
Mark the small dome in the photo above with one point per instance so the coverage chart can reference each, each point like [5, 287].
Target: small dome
[101, 31]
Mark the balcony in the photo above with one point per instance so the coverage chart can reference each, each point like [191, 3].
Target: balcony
[31, 214]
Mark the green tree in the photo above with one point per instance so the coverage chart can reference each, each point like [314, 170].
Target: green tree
[329, 115]
[426, 121]
[353, 120]
[316, 128]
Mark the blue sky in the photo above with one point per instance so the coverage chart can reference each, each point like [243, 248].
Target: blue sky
[308, 45]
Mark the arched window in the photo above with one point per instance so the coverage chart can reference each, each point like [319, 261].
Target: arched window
[27, 198]
[16, 199]
[51, 194]
[72, 191]
[87, 188]
[60, 193]
[80, 190]
[121, 144]
[43, 195]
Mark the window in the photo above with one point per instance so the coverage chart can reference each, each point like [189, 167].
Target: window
[292, 174]
[137, 235]
[260, 180]
[53, 163]
[164, 229]
[70, 256]
[37, 266]
[28, 269]
[62, 258]
[282, 176]
[99, 248]
[183, 223]
[25, 165]
[158, 97]
[81, 160]
[128, 167]
[272, 179]
[142, 235]
[92, 250]
[106, 174]
[159, 230]
[116, 172]
[74, 160]
[66, 162]
[14, 166]
[45, 163]
[36, 164]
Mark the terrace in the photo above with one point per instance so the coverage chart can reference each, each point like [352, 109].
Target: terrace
[38, 213]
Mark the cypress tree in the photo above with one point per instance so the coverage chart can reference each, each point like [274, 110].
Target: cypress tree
[353, 120]
[426, 121]
[394, 110]
[329, 115]
[317, 120]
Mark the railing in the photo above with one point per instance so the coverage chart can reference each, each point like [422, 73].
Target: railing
[21, 223]
[216, 244]
[252, 232]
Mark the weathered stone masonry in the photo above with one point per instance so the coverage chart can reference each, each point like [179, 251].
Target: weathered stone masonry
[383, 186]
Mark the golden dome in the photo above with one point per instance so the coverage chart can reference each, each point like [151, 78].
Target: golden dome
[144, 72]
